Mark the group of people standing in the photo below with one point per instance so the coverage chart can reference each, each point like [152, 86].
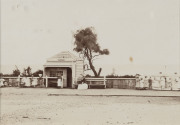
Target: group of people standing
[30, 81]
[158, 82]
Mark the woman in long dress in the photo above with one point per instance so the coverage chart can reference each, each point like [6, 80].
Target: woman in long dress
[162, 83]
[179, 83]
[141, 83]
[59, 82]
[175, 81]
[2, 82]
[156, 84]
[27, 82]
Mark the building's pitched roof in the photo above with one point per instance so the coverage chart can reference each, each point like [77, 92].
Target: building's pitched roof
[63, 56]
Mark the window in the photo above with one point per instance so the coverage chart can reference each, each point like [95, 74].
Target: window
[52, 74]
[56, 73]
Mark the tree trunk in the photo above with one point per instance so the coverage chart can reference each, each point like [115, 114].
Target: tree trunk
[89, 57]
[92, 67]
[100, 69]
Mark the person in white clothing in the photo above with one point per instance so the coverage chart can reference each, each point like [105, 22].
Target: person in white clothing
[179, 82]
[18, 80]
[176, 83]
[2, 82]
[141, 83]
[156, 84]
[137, 82]
[59, 82]
[162, 83]
[27, 82]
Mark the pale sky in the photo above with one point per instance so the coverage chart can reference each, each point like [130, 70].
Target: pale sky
[147, 30]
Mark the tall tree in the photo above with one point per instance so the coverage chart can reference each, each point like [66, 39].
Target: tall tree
[1, 74]
[27, 71]
[87, 46]
[16, 72]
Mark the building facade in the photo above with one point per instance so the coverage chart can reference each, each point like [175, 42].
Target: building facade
[66, 65]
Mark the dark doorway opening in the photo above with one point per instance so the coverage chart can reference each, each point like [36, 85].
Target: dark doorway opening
[69, 77]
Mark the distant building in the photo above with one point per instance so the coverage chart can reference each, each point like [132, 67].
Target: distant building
[64, 64]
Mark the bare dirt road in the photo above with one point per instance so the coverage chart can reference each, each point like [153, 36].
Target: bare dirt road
[28, 106]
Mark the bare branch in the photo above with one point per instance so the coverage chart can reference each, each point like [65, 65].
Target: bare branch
[90, 53]
[86, 67]
[95, 55]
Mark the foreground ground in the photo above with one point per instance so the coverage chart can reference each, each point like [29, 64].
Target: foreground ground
[40, 106]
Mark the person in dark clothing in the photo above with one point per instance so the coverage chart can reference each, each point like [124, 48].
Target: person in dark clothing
[150, 83]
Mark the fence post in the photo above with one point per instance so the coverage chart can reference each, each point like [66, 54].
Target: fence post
[104, 81]
[46, 81]
[19, 80]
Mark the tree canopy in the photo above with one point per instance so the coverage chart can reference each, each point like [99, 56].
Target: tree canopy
[36, 74]
[27, 72]
[87, 46]
[16, 72]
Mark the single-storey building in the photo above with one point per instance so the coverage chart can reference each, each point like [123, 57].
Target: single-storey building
[64, 64]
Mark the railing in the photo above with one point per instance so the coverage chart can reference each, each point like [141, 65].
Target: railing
[46, 78]
[122, 83]
[92, 82]
[112, 82]
[96, 80]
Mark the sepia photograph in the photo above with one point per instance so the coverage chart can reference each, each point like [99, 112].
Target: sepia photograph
[90, 62]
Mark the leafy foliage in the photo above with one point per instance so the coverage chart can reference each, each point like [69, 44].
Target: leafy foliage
[27, 72]
[124, 76]
[36, 74]
[86, 45]
[1, 74]
[16, 72]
